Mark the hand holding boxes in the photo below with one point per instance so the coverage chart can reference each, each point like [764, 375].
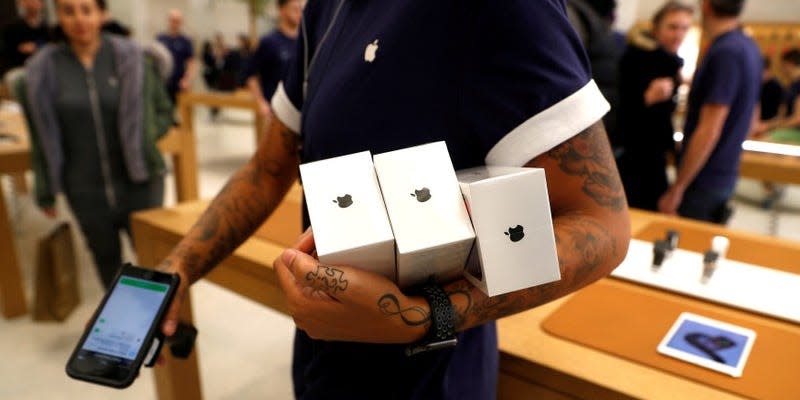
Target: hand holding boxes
[411, 223]
[347, 213]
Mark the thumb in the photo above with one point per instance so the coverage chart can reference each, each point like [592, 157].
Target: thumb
[170, 323]
[307, 271]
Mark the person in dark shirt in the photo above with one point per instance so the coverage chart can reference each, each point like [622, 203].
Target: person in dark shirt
[790, 62]
[268, 65]
[773, 97]
[593, 20]
[773, 94]
[22, 37]
[720, 114]
[649, 77]
[181, 48]
[504, 83]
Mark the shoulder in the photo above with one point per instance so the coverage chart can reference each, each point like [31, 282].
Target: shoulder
[121, 42]
[270, 38]
[43, 55]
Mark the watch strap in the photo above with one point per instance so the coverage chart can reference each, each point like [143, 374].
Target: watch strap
[442, 332]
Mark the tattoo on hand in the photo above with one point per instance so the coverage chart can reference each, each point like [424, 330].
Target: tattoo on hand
[412, 316]
[461, 311]
[331, 279]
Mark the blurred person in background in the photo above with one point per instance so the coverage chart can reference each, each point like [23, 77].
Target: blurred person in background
[95, 107]
[783, 125]
[111, 25]
[268, 65]
[22, 37]
[773, 96]
[790, 118]
[773, 108]
[649, 77]
[180, 46]
[593, 20]
[721, 112]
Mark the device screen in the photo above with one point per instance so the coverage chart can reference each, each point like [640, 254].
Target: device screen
[126, 319]
[121, 328]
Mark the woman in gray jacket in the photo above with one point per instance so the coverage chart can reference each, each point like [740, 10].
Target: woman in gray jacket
[95, 108]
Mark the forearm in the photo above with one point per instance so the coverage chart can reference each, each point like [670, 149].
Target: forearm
[191, 69]
[255, 88]
[587, 252]
[591, 227]
[703, 141]
[791, 121]
[250, 195]
[695, 157]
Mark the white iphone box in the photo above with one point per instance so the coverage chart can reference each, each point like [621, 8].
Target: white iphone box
[515, 246]
[348, 215]
[427, 212]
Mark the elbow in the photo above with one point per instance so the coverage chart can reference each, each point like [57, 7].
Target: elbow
[620, 232]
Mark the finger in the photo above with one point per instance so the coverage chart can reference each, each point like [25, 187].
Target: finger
[305, 242]
[170, 323]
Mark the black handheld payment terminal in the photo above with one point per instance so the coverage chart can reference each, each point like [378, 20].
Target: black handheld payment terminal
[125, 331]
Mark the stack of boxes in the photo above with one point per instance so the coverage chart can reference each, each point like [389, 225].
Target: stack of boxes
[404, 214]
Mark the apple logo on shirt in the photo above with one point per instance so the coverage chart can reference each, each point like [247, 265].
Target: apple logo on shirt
[371, 51]
[422, 195]
[344, 201]
[516, 233]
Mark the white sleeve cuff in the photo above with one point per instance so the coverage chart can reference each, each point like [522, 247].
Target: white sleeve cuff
[283, 108]
[549, 128]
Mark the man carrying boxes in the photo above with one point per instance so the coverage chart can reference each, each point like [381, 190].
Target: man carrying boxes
[501, 83]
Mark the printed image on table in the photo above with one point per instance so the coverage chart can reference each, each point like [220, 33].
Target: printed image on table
[709, 342]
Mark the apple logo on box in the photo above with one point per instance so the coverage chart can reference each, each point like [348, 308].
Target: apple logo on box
[422, 195]
[516, 233]
[344, 201]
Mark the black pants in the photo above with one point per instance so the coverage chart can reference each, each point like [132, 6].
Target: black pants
[644, 177]
[101, 223]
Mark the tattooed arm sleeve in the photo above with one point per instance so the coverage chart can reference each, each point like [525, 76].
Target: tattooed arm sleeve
[248, 197]
[591, 225]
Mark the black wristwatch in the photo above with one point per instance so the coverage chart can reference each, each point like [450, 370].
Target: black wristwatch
[442, 333]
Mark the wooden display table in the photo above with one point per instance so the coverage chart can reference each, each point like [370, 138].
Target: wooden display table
[534, 364]
[238, 99]
[15, 160]
[770, 167]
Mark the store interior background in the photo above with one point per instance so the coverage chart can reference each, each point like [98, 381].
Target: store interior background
[204, 17]
[245, 347]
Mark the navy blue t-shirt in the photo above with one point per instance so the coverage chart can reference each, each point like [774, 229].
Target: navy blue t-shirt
[500, 81]
[730, 74]
[270, 61]
[181, 49]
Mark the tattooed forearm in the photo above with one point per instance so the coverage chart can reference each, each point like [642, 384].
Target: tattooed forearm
[328, 279]
[584, 247]
[244, 202]
[412, 316]
[589, 156]
[590, 225]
